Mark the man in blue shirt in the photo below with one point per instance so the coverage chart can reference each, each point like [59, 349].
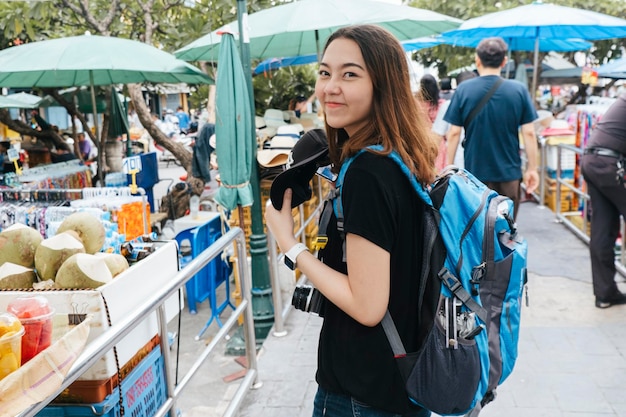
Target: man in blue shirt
[492, 136]
[183, 119]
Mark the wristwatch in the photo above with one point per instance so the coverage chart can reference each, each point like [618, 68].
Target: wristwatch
[292, 254]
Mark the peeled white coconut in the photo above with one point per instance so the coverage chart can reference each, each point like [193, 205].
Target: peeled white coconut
[13, 276]
[83, 270]
[89, 228]
[115, 262]
[44, 285]
[18, 244]
[53, 251]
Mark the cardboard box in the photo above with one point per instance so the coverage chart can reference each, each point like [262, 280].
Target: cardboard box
[115, 300]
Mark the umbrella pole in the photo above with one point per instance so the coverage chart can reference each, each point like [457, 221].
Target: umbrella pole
[533, 92]
[95, 123]
[262, 300]
[508, 62]
[317, 46]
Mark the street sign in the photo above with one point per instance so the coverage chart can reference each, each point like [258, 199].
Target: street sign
[13, 154]
[132, 164]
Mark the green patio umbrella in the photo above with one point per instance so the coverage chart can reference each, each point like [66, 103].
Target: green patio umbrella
[233, 126]
[91, 60]
[302, 27]
[118, 122]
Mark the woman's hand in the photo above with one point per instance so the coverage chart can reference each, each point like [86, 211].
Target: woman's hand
[281, 223]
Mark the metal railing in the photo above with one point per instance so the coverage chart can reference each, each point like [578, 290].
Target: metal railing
[105, 342]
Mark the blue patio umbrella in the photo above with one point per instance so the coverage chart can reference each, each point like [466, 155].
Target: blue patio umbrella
[276, 63]
[613, 69]
[522, 44]
[539, 21]
[233, 125]
[515, 44]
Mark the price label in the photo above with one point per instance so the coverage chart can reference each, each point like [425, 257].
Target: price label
[132, 164]
[13, 154]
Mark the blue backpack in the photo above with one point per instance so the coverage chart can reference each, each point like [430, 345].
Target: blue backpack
[472, 246]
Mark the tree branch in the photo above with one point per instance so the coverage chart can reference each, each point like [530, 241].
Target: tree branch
[49, 137]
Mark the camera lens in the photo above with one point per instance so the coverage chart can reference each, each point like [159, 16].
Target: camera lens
[300, 297]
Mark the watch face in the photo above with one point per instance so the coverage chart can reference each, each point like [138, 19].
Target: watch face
[289, 263]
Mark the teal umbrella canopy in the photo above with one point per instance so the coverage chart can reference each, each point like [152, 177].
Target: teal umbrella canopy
[233, 128]
[118, 122]
[302, 27]
[92, 60]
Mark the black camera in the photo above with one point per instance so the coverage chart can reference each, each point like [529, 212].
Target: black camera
[308, 299]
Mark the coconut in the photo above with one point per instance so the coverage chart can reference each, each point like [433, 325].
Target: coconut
[13, 276]
[83, 270]
[115, 262]
[18, 244]
[53, 251]
[89, 229]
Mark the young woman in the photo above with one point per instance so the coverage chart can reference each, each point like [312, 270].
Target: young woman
[364, 90]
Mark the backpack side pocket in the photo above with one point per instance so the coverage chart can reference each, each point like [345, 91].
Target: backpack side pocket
[444, 380]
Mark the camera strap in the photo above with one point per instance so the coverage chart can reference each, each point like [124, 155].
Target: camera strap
[322, 236]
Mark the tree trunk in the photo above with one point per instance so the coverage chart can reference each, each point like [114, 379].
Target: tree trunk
[178, 150]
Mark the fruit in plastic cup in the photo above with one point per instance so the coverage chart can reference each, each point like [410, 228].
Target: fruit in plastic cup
[35, 314]
[11, 332]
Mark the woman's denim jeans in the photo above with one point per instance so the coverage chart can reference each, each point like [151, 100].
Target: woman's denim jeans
[328, 404]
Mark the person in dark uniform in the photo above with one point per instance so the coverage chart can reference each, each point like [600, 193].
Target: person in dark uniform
[603, 168]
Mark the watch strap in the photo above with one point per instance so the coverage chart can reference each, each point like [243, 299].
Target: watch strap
[292, 254]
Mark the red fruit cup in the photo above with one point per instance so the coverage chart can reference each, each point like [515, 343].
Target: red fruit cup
[36, 316]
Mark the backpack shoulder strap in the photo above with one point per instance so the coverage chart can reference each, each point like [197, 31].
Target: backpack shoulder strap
[483, 102]
[387, 323]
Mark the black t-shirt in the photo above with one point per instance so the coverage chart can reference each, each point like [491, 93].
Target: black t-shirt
[381, 206]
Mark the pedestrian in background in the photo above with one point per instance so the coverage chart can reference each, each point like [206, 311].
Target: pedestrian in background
[84, 146]
[183, 119]
[492, 110]
[441, 127]
[445, 88]
[602, 166]
[430, 102]
[365, 93]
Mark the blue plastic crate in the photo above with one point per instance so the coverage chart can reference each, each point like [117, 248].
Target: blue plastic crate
[204, 284]
[143, 392]
[565, 173]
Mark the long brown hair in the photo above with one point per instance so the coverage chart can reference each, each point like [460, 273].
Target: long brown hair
[397, 123]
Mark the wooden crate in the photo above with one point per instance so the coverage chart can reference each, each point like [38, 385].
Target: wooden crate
[569, 199]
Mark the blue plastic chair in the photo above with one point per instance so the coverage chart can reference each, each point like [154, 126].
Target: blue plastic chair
[204, 284]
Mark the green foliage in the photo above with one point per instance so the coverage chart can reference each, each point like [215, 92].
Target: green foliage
[276, 88]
